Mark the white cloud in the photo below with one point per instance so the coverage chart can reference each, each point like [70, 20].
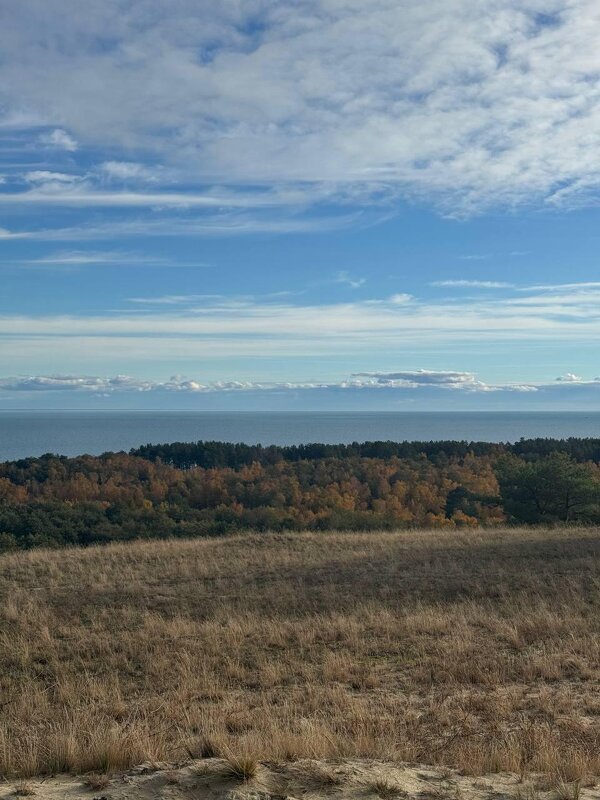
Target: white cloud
[6, 234]
[570, 377]
[210, 326]
[46, 176]
[130, 170]
[86, 383]
[470, 284]
[468, 103]
[346, 279]
[512, 318]
[59, 139]
[407, 381]
[125, 383]
[55, 192]
[215, 223]
[561, 287]
[188, 299]
[424, 377]
[75, 258]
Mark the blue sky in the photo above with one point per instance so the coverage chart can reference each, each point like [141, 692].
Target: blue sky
[318, 204]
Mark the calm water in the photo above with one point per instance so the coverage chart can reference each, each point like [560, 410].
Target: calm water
[75, 432]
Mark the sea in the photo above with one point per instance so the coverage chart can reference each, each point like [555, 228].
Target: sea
[69, 433]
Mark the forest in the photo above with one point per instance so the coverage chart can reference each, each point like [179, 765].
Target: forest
[214, 488]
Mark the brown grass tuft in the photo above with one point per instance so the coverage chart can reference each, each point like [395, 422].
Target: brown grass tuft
[24, 789]
[242, 767]
[203, 747]
[568, 791]
[96, 781]
[386, 789]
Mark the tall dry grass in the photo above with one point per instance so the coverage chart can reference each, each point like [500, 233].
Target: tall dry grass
[479, 650]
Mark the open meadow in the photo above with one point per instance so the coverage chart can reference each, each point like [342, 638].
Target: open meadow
[476, 649]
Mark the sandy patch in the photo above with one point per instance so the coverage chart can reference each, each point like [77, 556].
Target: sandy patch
[212, 779]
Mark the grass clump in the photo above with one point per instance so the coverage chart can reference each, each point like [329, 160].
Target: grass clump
[96, 781]
[386, 789]
[24, 789]
[242, 767]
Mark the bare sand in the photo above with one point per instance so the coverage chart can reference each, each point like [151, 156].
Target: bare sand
[351, 779]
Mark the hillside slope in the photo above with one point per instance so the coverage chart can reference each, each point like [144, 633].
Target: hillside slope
[478, 650]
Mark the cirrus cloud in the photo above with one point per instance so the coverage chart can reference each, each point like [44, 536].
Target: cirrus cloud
[468, 103]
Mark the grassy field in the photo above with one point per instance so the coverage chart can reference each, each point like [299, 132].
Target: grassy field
[477, 650]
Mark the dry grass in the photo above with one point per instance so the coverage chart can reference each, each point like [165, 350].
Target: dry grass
[23, 789]
[96, 781]
[386, 789]
[478, 650]
[242, 767]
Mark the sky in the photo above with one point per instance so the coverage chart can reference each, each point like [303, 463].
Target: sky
[318, 204]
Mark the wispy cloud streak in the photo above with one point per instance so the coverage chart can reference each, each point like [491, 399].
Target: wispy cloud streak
[467, 104]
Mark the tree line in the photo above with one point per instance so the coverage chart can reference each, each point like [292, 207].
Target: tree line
[188, 455]
[212, 488]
